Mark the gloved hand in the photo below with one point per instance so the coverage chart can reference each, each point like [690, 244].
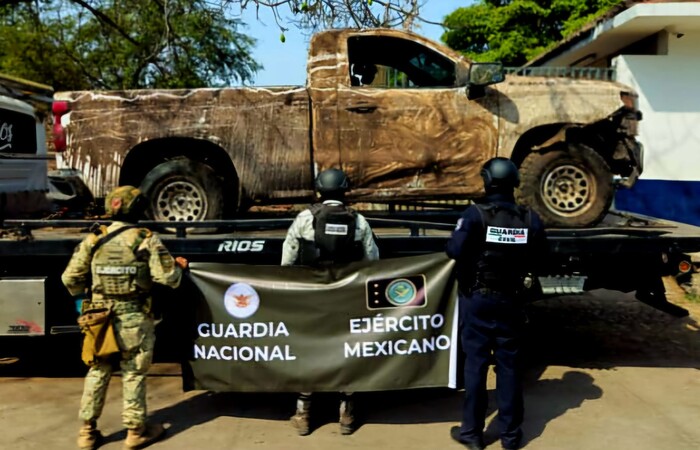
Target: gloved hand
[182, 262]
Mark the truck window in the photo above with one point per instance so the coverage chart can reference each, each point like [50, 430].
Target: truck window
[389, 62]
[17, 130]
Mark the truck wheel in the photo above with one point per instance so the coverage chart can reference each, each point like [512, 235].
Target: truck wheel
[182, 190]
[571, 187]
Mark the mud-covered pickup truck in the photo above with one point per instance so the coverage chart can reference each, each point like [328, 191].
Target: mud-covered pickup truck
[408, 119]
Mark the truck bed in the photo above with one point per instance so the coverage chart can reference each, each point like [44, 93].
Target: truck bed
[425, 230]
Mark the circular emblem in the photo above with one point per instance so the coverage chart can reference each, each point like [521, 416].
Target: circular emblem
[241, 300]
[401, 292]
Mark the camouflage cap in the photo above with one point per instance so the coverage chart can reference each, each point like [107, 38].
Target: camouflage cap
[121, 200]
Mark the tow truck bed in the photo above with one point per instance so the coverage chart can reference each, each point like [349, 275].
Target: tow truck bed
[625, 252]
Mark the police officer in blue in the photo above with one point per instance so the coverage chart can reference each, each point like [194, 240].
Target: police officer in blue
[498, 247]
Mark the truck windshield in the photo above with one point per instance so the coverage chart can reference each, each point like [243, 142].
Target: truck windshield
[389, 62]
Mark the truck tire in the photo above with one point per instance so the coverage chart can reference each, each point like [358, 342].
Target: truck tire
[569, 187]
[182, 190]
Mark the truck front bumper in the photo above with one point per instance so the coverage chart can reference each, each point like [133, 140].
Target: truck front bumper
[629, 156]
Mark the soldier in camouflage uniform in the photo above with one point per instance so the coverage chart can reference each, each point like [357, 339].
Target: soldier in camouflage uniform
[119, 274]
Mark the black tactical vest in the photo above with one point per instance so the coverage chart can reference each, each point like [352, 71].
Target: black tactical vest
[334, 236]
[504, 258]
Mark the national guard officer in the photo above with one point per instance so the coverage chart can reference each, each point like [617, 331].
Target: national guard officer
[118, 266]
[326, 233]
[498, 246]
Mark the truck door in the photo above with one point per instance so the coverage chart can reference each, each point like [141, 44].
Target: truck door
[406, 130]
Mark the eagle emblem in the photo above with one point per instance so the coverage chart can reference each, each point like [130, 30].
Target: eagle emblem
[242, 300]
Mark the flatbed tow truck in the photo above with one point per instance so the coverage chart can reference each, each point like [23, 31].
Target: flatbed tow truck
[624, 252]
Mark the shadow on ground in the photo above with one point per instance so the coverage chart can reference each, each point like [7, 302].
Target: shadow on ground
[607, 329]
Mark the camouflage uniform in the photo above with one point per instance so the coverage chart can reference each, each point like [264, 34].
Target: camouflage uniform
[133, 324]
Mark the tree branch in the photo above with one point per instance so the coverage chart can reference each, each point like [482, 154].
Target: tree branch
[102, 17]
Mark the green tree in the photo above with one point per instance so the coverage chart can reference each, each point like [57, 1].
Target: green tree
[124, 44]
[514, 31]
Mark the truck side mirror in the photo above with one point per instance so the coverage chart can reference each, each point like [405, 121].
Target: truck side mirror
[481, 75]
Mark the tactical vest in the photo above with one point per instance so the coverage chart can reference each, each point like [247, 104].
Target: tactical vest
[334, 236]
[503, 261]
[119, 271]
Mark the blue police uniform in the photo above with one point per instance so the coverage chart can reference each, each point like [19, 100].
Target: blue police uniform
[496, 244]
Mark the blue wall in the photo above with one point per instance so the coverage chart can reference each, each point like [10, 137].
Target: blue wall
[673, 200]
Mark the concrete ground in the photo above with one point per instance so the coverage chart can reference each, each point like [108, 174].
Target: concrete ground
[604, 371]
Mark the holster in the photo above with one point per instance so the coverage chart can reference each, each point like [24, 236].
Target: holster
[99, 341]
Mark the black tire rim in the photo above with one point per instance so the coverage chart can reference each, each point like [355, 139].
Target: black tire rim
[568, 190]
[179, 201]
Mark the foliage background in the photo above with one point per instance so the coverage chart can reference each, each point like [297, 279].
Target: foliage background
[515, 31]
[123, 44]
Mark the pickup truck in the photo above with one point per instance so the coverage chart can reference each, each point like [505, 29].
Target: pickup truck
[406, 118]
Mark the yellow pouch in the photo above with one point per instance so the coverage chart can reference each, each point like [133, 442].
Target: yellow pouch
[99, 341]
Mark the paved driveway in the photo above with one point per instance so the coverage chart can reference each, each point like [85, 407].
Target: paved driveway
[604, 372]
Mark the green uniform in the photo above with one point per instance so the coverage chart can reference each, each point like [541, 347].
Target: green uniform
[120, 274]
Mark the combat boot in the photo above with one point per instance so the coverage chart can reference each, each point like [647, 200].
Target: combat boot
[143, 436]
[89, 437]
[300, 421]
[347, 416]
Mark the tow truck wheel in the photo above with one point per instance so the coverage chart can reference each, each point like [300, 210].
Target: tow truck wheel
[182, 190]
[569, 187]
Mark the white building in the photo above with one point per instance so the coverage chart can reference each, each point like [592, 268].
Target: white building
[655, 48]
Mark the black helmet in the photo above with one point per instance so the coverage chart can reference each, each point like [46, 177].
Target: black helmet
[500, 173]
[332, 181]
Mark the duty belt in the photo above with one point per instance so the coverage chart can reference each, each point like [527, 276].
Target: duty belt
[121, 306]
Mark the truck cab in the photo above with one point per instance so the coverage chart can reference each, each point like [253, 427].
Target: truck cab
[23, 153]
[416, 120]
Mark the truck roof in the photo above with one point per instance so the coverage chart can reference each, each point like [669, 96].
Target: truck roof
[37, 94]
[12, 104]
[329, 38]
